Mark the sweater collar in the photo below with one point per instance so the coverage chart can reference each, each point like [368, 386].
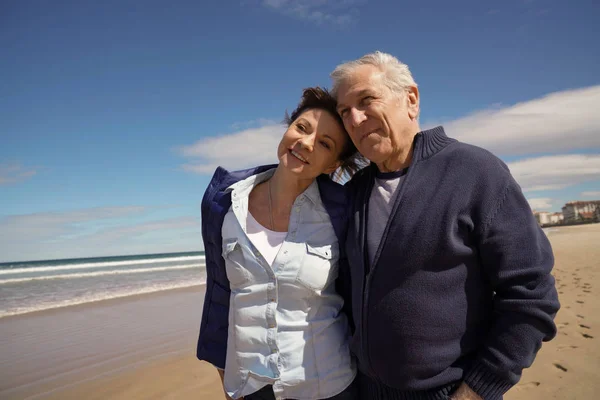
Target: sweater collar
[429, 142]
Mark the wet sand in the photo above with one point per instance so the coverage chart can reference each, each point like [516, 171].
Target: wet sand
[138, 347]
[143, 347]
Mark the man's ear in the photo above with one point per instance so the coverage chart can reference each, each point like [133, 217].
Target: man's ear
[412, 102]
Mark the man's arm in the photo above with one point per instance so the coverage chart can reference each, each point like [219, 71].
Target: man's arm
[517, 259]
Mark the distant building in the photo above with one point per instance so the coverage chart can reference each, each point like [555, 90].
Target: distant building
[580, 210]
[542, 217]
[557, 217]
[547, 218]
[597, 214]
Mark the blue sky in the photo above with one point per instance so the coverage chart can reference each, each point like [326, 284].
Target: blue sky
[113, 114]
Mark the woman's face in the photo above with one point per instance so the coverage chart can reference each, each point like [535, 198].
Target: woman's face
[312, 144]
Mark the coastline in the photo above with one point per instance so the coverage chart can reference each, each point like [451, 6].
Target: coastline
[91, 348]
[143, 346]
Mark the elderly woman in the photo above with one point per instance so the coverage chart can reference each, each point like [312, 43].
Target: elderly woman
[272, 322]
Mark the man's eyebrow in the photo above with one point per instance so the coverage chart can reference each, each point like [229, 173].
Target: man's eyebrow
[360, 94]
[340, 106]
[365, 92]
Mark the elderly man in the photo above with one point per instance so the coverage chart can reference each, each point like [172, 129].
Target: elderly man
[452, 294]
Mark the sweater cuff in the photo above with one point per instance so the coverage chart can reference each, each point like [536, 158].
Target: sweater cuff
[484, 382]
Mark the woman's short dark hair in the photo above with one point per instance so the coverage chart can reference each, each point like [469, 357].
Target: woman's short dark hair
[321, 99]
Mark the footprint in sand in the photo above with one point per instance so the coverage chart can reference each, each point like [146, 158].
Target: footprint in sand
[580, 316]
[580, 302]
[585, 335]
[527, 385]
[566, 347]
[587, 291]
[559, 366]
[584, 326]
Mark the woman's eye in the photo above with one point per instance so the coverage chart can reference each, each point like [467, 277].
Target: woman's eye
[302, 128]
[326, 145]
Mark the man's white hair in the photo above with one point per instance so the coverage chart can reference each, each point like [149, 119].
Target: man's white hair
[396, 75]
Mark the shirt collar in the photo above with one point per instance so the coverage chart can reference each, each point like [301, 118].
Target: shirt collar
[244, 187]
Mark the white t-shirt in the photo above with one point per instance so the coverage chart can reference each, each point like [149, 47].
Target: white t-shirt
[268, 242]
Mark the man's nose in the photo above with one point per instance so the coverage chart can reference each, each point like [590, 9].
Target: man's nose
[357, 117]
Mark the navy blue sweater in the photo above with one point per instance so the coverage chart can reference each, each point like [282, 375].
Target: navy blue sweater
[460, 288]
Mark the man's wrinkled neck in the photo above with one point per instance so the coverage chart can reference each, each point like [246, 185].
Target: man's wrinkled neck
[402, 157]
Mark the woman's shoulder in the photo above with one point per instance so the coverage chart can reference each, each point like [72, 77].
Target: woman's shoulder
[222, 178]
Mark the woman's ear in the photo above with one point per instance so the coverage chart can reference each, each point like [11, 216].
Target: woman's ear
[332, 167]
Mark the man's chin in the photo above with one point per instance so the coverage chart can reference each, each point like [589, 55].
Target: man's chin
[373, 154]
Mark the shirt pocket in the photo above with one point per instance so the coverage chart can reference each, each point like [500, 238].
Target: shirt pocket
[233, 253]
[319, 266]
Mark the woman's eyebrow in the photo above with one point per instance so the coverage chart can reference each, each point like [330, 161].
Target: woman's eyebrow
[304, 121]
[326, 136]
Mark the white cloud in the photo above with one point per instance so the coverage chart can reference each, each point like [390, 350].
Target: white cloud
[52, 225]
[85, 233]
[249, 147]
[540, 203]
[558, 122]
[340, 12]
[555, 172]
[255, 123]
[14, 172]
[595, 194]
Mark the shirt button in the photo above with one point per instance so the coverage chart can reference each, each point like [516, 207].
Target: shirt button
[285, 252]
[272, 300]
[297, 209]
[273, 351]
[271, 325]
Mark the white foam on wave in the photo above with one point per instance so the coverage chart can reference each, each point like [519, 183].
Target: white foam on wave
[67, 267]
[91, 298]
[99, 273]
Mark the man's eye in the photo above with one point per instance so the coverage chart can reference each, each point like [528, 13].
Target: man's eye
[343, 112]
[367, 99]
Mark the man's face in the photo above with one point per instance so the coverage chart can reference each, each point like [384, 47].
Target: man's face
[376, 118]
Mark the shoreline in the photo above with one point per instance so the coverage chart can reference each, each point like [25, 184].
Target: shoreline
[143, 346]
[53, 352]
[127, 297]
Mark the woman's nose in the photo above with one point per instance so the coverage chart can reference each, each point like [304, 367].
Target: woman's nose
[308, 142]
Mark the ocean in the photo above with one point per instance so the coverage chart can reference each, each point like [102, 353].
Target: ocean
[42, 285]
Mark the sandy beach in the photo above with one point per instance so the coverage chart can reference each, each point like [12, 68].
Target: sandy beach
[143, 347]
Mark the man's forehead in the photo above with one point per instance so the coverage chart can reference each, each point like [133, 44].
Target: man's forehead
[359, 81]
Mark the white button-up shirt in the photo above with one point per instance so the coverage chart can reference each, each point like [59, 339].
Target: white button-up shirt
[285, 325]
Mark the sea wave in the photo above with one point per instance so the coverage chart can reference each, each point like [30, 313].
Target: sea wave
[91, 298]
[99, 273]
[67, 267]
